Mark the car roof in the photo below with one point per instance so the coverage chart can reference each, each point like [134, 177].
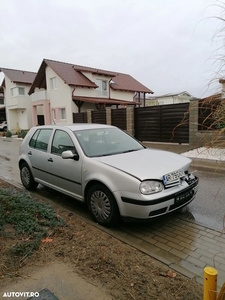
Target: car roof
[77, 126]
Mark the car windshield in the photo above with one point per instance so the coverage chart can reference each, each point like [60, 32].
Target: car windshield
[106, 141]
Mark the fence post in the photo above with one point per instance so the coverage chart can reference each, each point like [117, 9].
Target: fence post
[89, 115]
[108, 116]
[193, 122]
[130, 119]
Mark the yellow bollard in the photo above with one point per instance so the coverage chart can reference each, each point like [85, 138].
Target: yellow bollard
[210, 283]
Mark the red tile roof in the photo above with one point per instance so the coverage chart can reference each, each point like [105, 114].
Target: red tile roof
[128, 83]
[104, 100]
[72, 75]
[19, 76]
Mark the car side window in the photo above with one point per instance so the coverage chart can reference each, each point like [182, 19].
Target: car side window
[40, 139]
[62, 142]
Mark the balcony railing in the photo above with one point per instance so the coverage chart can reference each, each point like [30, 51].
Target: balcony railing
[37, 96]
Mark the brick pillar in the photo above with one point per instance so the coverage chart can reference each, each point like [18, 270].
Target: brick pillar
[108, 116]
[193, 123]
[130, 119]
[89, 115]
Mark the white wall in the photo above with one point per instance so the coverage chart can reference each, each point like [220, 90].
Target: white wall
[16, 104]
[61, 97]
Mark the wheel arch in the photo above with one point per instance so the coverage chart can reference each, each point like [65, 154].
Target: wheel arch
[21, 162]
[94, 182]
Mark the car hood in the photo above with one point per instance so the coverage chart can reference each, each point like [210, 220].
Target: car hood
[147, 163]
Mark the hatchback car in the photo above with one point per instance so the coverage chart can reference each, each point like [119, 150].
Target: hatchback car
[114, 174]
[3, 125]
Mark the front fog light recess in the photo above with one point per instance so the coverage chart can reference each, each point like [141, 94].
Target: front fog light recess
[150, 187]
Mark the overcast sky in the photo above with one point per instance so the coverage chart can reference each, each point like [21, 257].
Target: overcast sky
[167, 45]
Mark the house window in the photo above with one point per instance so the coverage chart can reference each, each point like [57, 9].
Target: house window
[102, 88]
[53, 83]
[18, 91]
[62, 113]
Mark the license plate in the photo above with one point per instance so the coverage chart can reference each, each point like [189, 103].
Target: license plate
[185, 196]
[173, 177]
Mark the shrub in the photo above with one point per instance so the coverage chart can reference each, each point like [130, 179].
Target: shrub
[23, 134]
[8, 133]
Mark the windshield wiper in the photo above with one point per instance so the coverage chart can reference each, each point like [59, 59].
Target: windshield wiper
[131, 150]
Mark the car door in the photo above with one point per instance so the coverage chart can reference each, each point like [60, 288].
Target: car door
[64, 174]
[37, 153]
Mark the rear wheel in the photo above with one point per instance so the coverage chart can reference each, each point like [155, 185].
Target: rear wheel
[27, 177]
[102, 205]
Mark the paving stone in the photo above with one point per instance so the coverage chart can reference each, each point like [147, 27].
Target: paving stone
[203, 232]
[209, 261]
[191, 253]
[207, 239]
[159, 233]
[173, 240]
[196, 262]
[214, 232]
[160, 239]
[196, 226]
[182, 270]
[192, 234]
[191, 267]
[219, 259]
[179, 253]
[180, 233]
[220, 239]
[175, 246]
[163, 246]
[205, 253]
[184, 239]
[149, 240]
[188, 246]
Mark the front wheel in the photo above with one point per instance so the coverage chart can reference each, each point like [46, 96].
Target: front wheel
[102, 205]
[27, 177]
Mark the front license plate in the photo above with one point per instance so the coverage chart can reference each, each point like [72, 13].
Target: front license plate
[185, 196]
[173, 177]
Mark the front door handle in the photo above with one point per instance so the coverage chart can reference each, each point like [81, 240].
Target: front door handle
[50, 159]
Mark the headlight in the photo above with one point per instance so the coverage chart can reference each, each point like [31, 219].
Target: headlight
[150, 187]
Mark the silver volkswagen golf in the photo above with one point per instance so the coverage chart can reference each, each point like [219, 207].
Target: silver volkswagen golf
[101, 165]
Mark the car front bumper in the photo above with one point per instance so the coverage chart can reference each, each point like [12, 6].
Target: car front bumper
[141, 207]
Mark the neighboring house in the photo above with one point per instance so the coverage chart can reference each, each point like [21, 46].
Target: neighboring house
[2, 105]
[61, 89]
[17, 102]
[169, 99]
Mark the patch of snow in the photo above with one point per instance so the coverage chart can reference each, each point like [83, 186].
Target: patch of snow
[206, 153]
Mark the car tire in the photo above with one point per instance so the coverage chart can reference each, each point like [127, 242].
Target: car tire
[27, 178]
[5, 129]
[102, 205]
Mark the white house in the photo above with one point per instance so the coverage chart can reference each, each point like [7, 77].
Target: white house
[17, 102]
[61, 89]
[169, 99]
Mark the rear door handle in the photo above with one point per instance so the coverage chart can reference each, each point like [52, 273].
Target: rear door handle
[50, 159]
[29, 153]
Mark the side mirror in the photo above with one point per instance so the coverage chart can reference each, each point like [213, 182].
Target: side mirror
[70, 155]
